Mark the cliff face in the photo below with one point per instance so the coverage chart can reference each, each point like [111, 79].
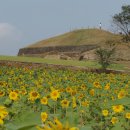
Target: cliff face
[70, 51]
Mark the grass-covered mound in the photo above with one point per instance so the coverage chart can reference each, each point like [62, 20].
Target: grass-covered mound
[78, 37]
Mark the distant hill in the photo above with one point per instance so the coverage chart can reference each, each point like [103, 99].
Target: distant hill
[77, 37]
[78, 44]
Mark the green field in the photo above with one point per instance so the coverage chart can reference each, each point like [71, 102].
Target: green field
[90, 64]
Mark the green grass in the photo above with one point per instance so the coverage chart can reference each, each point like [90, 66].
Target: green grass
[117, 66]
[91, 64]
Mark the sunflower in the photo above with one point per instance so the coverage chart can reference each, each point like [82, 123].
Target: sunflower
[105, 112]
[68, 89]
[13, 95]
[44, 100]
[85, 103]
[3, 114]
[65, 103]
[44, 116]
[83, 87]
[1, 121]
[97, 85]
[118, 108]
[55, 94]
[74, 128]
[127, 115]
[121, 94]
[107, 86]
[74, 104]
[2, 93]
[81, 96]
[33, 95]
[56, 125]
[114, 120]
[23, 92]
[92, 92]
[73, 92]
[17, 91]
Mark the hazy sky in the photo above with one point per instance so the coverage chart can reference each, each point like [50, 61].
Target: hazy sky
[23, 22]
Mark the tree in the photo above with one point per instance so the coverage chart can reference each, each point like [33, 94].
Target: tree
[104, 57]
[122, 21]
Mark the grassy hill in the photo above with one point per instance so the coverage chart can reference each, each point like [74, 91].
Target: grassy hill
[78, 37]
[63, 46]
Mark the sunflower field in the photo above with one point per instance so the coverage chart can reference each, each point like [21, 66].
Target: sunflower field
[54, 99]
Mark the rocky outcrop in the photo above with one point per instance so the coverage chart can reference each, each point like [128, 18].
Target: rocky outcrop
[88, 55]
[66, 52]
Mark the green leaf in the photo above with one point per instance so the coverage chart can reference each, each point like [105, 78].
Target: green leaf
[86, 128]
[117, 127]
[123, 101]
[33, 127]
[25, 121]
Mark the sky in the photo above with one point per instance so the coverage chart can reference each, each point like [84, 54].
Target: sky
[23, 22]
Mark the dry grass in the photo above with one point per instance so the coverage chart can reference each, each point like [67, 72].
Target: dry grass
[78, 37]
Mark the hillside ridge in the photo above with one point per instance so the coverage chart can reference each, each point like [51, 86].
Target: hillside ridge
[77, 37]
[78, 44]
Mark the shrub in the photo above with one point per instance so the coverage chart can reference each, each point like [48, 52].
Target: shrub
[105, 57]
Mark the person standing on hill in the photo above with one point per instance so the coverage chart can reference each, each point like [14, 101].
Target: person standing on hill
[100, 25]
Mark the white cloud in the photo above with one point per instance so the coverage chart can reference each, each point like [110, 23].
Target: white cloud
[10, 38]
[9, 31]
